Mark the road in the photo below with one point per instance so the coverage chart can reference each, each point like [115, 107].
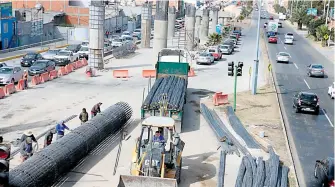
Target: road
[311, 136]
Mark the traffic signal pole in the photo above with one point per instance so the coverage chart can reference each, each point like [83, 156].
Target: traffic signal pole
[235, 86]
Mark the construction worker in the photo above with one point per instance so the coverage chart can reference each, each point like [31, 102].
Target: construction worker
[48, 137]
[60, 128]
[25, 79]
[158, 137]
[27, 134]
[26, 149]
[96, 109]
[83, 116]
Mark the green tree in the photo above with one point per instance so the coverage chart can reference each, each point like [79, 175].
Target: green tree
[276, 7]
[214, 39]
[322, 32]
[313, 24]
[299, 16]
[282, 10]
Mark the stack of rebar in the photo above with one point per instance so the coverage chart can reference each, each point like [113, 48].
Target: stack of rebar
[262, 173]
[173, 88]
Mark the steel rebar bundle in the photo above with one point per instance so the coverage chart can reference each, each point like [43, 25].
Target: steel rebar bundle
[269, 173]
[44, 167]
[173, 87]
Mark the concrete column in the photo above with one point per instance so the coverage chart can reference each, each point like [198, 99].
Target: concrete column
[204, 26]
[197, 26]
[221, 20]
[146, 17]
[171, 22]
[161, 26]
[189, 26]
[214, 20]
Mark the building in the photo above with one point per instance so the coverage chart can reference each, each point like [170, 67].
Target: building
[8, 33]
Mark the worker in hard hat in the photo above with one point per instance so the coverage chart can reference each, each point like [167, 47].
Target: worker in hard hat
[60, 129]
[27, 134]
[26, 149]
[48, 137]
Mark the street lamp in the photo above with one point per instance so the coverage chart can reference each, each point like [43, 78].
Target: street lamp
[39, 7]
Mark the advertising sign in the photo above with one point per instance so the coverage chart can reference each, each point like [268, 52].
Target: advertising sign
[312, 11]
[6, 9]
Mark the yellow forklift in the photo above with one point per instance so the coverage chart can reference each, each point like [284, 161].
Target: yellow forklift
[157, 156]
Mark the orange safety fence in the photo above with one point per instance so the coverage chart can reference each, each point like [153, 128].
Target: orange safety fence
[84, 61]
[35, 80]
[53, 74]
[191, 73]
[79, 64]
[146, 73]
[74, 65]
[10, 88]
[120, 73]
[44, 77]
[2, 93]
[68, 69]
[62, 71]
[220, 99]
[20, 85]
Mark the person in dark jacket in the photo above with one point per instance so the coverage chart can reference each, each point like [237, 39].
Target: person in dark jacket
[26, 149]
[95, 110]
[27, 134]
[83, 116]
[48, 137]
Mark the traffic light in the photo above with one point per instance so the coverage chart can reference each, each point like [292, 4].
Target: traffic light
[239, 69]
[4, 156]
[231, 68]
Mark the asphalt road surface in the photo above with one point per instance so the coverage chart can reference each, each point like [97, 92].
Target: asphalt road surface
[311, 136]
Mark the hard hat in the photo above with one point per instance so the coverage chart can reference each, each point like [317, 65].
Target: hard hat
[25, 70]
[28, 133]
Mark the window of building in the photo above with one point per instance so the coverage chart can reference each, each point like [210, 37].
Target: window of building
[5, 43]
[5, 27]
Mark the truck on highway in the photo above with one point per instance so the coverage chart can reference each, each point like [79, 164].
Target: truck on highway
[172, 70]
[272, 27]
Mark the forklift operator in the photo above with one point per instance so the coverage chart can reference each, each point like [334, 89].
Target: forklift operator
[158, 137]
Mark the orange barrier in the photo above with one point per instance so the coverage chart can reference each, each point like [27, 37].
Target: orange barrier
[10, 88]
[74, 65]
[35, 80]
[84, 61]
[20, 85]
[68, 69]
[44, 77]
[62, 71]
[120, 74]
[79, 64]
[148, 73]
[53, 74]
[220, 99]
[191, 73]
[2, 93]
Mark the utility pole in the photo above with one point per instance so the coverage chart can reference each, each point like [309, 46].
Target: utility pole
[327, 14]
[235, 86]
[324, 7]
[256, 63]
[291, 8]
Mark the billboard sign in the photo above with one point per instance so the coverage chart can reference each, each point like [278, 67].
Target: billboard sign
[6, 10]
[312, 11]
[79, 3]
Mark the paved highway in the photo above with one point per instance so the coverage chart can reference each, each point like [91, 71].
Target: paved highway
[311, 136]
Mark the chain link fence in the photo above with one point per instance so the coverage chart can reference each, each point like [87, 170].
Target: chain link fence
[124, 50]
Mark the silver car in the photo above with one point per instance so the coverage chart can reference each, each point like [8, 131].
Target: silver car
[50, 54]
[205, 58]
[288, 41]
[10, 74]
[226, 49]
[283, 57]
[315, 70]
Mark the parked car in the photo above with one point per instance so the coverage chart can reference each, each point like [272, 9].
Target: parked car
[215, 51]
[234, 40]
[306, 101]
[288, 41]
[30, 58]
[2, 64]
[83, 52]
[66, 57]
[50, 55]
[10, 74]
[273, 39]
[74, 48]
[237, 35]
[226, 49]
[41, 66]
[315, 70]
[233, 37]
[324, 172]
[205, 58]
[289, 35]
[230, 43]
[331, 90]
[283, 57]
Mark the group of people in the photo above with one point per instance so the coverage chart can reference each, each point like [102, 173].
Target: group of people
[28, 138]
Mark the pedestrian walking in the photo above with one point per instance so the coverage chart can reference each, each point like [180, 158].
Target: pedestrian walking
[26, 149]
[83, 116]
[60, 128]
[96, 109]
[48, 137]
[25, 79]
[28, 134]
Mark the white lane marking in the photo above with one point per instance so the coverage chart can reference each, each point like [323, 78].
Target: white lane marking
[285, 47]
[295, 65]
[307, 84]
[281, 41]
[331, 124]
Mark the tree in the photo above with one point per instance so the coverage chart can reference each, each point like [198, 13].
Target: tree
[214, 39]
[276, 7]
[299, 16]
[313, 24]
[282, 10]
[332, 34]
[322, 33]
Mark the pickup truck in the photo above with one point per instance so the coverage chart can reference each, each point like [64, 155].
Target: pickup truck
[66, 57]
[83, 52]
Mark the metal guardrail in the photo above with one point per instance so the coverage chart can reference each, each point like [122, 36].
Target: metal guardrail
[30, 45]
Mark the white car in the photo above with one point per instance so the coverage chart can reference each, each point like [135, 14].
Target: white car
[289, 35]
[83, 52]
[283, 57]
[331, 90]
[50, 55]
[65, 57]
[288, 41]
